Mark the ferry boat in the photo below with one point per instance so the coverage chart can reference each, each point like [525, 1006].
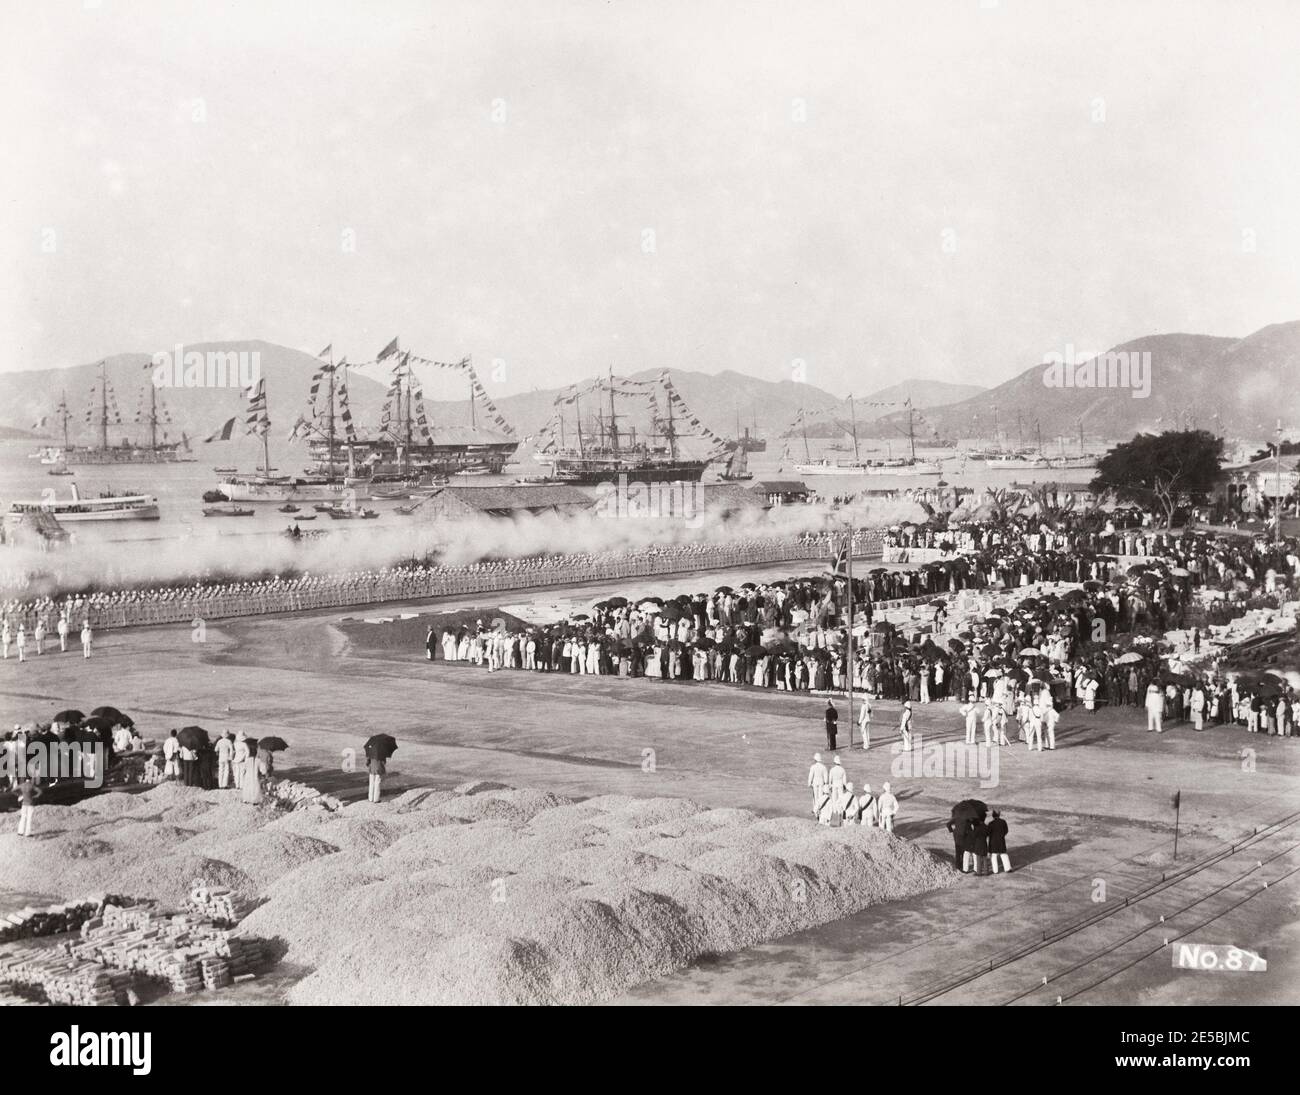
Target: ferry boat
[107, 507]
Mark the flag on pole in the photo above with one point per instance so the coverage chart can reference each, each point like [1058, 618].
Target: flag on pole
[257, 420]
[222, 434]
[1177, 800]
[388, 351]
[325, 353]
[840, 563]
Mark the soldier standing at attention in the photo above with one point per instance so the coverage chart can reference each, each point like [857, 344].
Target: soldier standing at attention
[832, 724]
[888, 808]
[817, 778]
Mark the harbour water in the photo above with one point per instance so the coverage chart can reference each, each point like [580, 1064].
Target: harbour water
[179, 488]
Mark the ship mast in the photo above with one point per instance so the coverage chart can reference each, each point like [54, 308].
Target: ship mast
[153, 417]
[911, 430]
[406, 451]
[473, 424]
[103, 405]
[670, 432]
[853, 417]
[613, 418]
[577, 410]
[331, 420]
[803, 422]
[63, 414]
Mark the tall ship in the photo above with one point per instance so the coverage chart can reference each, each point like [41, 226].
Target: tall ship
[611, 453]
[1083, 459]
[407, 448]
[1021, 458]
[404, 455]
[152, 445]
[106, 507]
[910, 465]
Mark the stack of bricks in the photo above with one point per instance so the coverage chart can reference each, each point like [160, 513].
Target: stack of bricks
[216, 972]
[296, 796]
[167, 947]
[53, 919]
[62, 980]
[219, 903]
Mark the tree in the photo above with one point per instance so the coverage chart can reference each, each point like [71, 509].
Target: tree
[1161, 470]
[1289, 448]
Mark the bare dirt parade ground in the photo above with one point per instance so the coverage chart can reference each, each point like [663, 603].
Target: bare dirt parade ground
[1083, 908]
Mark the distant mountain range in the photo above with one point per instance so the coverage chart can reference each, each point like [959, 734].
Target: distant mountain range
[1238, 387]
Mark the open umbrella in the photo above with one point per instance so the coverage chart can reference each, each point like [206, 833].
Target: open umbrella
[382, 746]
[755, 651]
[113, 713]
[273, 744]
[938, 604]
[69, 718]
[195, 737]
[99, 723]
[617, 602]
[748, 585]
[956, 646]
[1131, 658]
[1029, 652]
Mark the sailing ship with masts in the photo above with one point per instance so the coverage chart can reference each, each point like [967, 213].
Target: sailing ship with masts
[103, 413]
[612, 453]
[405, 455]
[910, 465]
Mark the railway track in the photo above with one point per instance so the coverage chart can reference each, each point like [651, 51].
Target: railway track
[1071, 959]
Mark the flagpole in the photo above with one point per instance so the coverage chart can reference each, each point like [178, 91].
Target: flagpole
[1178, 804]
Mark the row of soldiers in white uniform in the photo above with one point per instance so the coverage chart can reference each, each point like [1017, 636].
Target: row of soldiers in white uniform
[835, 799]
[1035, 715]
[9, 638]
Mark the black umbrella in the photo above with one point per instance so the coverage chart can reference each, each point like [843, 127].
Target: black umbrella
[756, 651]
[724, 589]
[968, 809]
[113, 713]
[195, 737]
[617, 602]
[273, 744]
[69, 718]
[382, 746]
[99, 723]
[249, 743]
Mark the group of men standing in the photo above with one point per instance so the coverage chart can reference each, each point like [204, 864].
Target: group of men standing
[836, 801]
[18, 640]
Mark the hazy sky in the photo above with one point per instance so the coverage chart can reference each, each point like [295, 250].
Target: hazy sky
[945, 189]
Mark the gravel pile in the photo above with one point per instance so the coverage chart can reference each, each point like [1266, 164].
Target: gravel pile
[488, 894]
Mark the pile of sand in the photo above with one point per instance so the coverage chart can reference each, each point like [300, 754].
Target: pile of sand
[486, 894]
